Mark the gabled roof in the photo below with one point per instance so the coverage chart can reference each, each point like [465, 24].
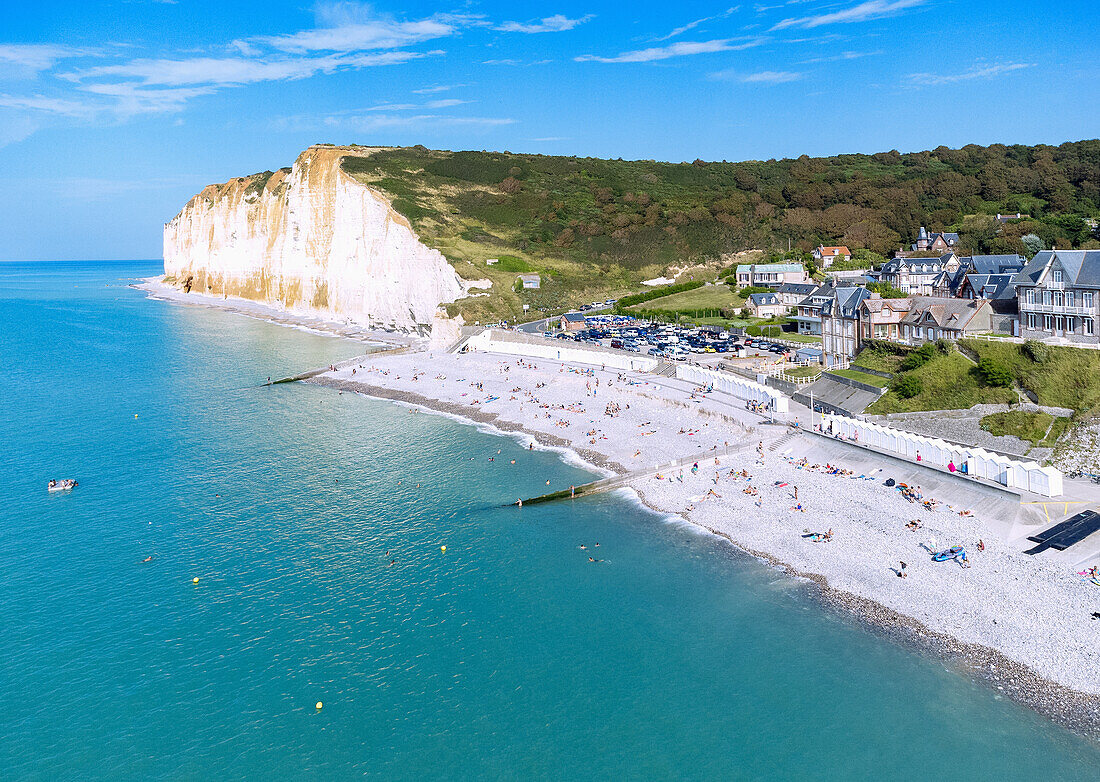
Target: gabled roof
[944, 313]
[845, 303]
[574, 317]
[763, 299]
[1082, 267]
[839, 250]
[992, 286]
[995, 264]
[797, 288]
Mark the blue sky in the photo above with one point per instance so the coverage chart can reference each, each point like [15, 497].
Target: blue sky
[112, 114]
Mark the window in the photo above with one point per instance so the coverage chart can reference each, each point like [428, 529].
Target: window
[1088, 326]
[1031, 319]
[1048, 323]
[1056, 276]
[1048, 298]
[1030, 296]
[1086, 299]
[1059, 299]
[1069, 299]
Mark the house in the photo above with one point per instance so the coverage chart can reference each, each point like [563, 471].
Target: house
[931, 318]
[840, 325]
[935, 242]
[1058, 294]
[998, 289]
[949, 283]
[572, 321]
[919, 276]
[808, 315]
[881, 318]
[529, 281]
[770, 275]
[766, 305]
[826, 256]
[1008, 218]
[791, 293]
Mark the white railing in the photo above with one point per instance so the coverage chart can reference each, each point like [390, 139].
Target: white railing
[1057, 309]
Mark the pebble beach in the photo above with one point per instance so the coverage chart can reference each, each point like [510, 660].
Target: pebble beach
[1021, 622]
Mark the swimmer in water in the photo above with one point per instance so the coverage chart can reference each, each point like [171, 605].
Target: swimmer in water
[147, 559]
[584, 547]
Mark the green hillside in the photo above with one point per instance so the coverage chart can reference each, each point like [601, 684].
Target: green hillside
[595, 228]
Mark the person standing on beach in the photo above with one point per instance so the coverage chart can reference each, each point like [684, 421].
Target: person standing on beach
[918, 456]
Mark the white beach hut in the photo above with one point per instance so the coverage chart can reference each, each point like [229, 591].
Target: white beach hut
[1046, 481]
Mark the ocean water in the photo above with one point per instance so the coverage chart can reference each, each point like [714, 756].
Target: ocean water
[509, 656]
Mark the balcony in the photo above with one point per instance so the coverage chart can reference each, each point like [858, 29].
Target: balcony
[1057, 309]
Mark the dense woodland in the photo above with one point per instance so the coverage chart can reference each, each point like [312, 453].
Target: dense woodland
[646, 210]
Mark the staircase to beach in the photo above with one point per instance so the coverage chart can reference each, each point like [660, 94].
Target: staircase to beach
[664, 369]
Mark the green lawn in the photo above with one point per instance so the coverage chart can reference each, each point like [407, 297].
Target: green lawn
[709, 297]
[803, 372]
[809, 339]
[949, 383]
[862, 377]
[1018, 423]
[879, 360]
[1070, 377]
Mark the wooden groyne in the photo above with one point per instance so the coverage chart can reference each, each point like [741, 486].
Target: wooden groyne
[618, 481]
[351, 362]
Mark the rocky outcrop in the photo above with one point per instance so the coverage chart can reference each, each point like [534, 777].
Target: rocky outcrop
[311, 240]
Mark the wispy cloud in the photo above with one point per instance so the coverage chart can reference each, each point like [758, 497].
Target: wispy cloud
[692, 25]
[843, 56]
[438, 88]
[866, 11]
[551, 24]
[977, 72]
[46, 105]
[760, 77]
[505, 61]
[380, 34]
[35, 57]
[362, 122]
[680, 49]
[228, 71]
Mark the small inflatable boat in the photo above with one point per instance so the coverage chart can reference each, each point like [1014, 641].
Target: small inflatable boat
[62, 485]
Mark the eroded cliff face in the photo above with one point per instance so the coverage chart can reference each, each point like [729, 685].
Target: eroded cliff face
[312, 240]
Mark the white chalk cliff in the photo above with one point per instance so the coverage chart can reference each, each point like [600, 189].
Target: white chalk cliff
[314, 241]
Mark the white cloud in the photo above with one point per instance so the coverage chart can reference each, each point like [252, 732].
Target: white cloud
[843, 56]
[866, 11]
[445, 103]
[45, 105]
[438, 88]
[692, 25]
[379, 34]
[977, 72]
[226, 71]
[500, 62]
[771, 77]
[551, 24]
[35, 57]
[372, 121]
[681, 49]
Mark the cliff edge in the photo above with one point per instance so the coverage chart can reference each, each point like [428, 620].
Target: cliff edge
[311, 240]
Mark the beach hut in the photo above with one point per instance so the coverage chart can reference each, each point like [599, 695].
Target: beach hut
[1021, 474]
[938, 452]
[1046, 481]
[1003, 470]
[956, 454]
[977, 463]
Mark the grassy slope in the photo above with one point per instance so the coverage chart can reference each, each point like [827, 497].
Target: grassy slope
[1070, 378]
[707, 297]
[950, 383]
[862, 377]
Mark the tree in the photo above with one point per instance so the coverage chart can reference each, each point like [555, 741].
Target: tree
[886, 290]
[906, 386]
[1032, 244]
[994, 373]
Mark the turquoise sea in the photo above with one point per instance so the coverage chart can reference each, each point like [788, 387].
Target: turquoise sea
[510, 656]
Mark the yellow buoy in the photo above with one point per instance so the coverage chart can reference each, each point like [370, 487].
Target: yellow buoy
[443, 549]
[195, 580]
[135, 415]
[319, 705]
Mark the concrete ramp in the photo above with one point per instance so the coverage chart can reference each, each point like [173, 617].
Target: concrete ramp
[835, 396]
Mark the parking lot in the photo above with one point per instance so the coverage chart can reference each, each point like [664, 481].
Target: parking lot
[671, 342]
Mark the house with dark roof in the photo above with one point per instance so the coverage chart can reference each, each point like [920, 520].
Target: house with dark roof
[935, 242]
[808, 314]
[791, 293]
[950, 283]
[918, 276]
[840, 325]
[931, 318]
[572, 321]
[766, 305]
[1058, 295]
